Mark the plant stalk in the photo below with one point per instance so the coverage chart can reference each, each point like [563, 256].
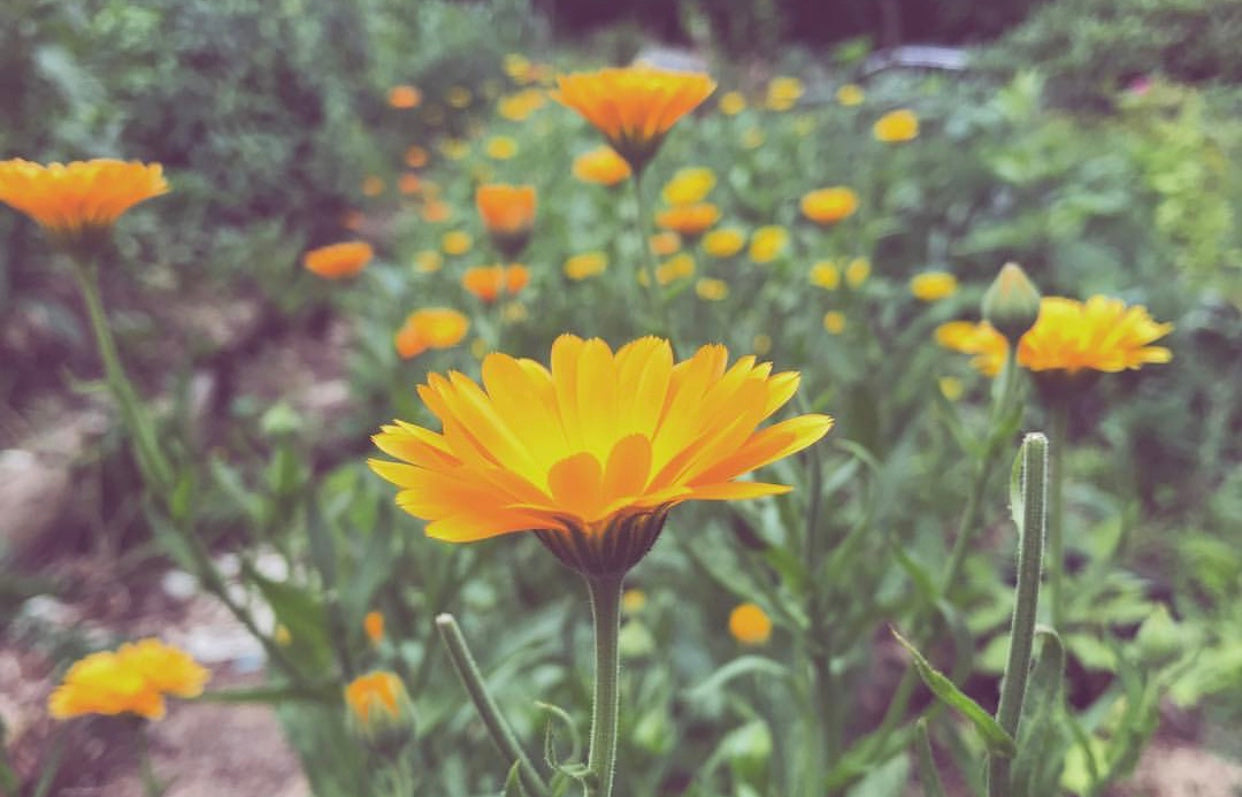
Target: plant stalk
[1056, 513]
[602, 754]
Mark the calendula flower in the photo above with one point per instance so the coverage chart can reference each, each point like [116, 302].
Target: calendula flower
[409, 183]
[857, 272]
[372, 186]
[380, 710]
[689, 221]
[458, 97]
[404, 97]
[489, 283]
[508, 213]
[710, 289]
[834, 322]
[132, 680]
[338, 261]
[829, 205]
[768, 243]
[517, 67]
[750, 624]
[431, 328]
[585, 265]
[679, 266]
[592, 453]
[601, 165]
[373, 625]
[634, 107]
[988, 346]
[689, 186]
[826, 275]
[415, 157]
[456, 242]
[850, 95]
[783, 93]
[435, 210]
[633, 601]
[732, 103]
[77, 201]
[932, 286]
[518, 107]
[665, 243]
[725, 242]
[896, 126]
[500, 148]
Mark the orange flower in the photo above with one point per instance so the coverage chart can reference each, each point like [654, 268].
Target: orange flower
[896, 126]
[404, 97]
[338, 260]
[408, 183]
[749, 624]
[601, 165]
[690, 221]
[665, 243]
[592, 453]
[373, 186]
[379, 709]
[132, 680]
[373, 625]
[829, 205]
[76, 201]
[432, 328]
[489, 283]
[436, 210]
[508, 212]
[415, 157]
[634, 107]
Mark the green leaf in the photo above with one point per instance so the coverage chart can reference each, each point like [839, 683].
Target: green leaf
[301, 612]
[322, 551]
[928, 775]
[513, 783]
[1037, 768]
[744, 665]
[575, 741]
[998, 741]
[886, 780]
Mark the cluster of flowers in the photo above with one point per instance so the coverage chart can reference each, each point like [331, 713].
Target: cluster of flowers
[134, 679]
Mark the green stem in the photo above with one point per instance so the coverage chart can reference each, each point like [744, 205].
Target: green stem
[1034, 455]
[655, 294]
[602, 754]
[1056, 512]
[489, 712]
[151, 786]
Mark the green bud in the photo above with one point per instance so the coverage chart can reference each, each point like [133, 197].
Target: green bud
[1011, 304]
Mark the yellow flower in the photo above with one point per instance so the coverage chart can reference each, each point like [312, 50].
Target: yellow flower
[711, 290]
[372, 186]
[896, 126]
[783, 93]
[834, 322]
[857, 271]
[826, 275]
[74, 201]
[591, 454]
[725, 242]
[679, 266]
[379, 708]
[689, 186]
[500, 148]
[634, 107]
[456, 242]
[767, 243]
[517, 67]
[404, 97]
[950, 387]
[458, 97]
[633, 601]
[432, 328]
[986, 344]
[753, 138]
[338, 260]
[932, 286]
[517, 107]
[601, 165]
[586, 264]
[829, 205]
[732, 103]
[132, 680]
[750, 625]
[489, 283]
[508, 213]
[850, 95]
[665, 243]
[689, 221]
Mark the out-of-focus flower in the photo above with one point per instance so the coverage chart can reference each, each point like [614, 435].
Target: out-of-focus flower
[634, 107]
[753, 138]
[725, 242]
[783, 93]
[679, 266]
[373, 625]
[666, 243]
[517, 67]
[857, 272]
[633, 601]
[428, 261]
[133, 680]
[415, 157]
[932, 286]
[373, 186]
[518, 107]
[950, 387]
[850, 95]
[689, 221]
[489, 283]
[986, 344]
[767, 243]
[404, 97]
[896, 126]
[689, 186]
[834, 322]
[601, 165]
[338, 261]
[710, 289]
[593, 474]
[508, 213]
[732, 103]
[408, 183]
[435, 210]
[586, 264]
[500, 148]
[76, 201]
[829, 205]
[514, 313]
[750, 624]
[431, 328]
[458, 97]
[379, 709]
[826, 275]
[455, 148]
[456, 242]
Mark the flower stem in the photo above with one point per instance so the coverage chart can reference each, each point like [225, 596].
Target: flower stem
[602, 754]
[1056, 512]
[1034, 456]
[151, 785]
[489, 712]
[655, 294]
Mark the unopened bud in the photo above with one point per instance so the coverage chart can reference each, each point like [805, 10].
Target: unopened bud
[1011, 304]
[380, 711]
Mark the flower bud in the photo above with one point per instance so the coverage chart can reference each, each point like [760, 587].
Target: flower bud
[1011, 304]
[380, 712]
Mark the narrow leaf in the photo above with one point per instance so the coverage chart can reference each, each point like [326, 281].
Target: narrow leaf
[932, 787]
